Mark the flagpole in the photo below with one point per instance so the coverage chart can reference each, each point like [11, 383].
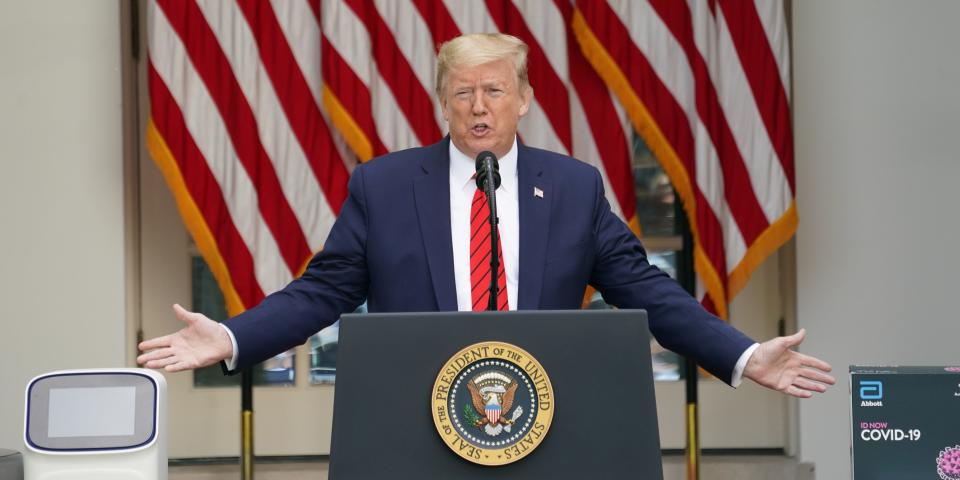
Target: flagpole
[687, 278]
[693, 422]
[246, 424]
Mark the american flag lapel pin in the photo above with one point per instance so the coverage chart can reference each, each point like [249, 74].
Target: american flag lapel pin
[537, 192]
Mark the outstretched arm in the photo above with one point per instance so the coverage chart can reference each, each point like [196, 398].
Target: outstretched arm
[626, 279]
[200, 343]
[774, 365]
[679, 322]
[336, 281]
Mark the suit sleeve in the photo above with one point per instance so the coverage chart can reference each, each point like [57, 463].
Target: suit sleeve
[335, 282]
[626, 279]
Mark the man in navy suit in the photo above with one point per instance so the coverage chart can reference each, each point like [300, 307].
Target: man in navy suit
[407, 240]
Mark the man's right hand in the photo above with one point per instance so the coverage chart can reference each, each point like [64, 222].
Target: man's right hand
[201, 343]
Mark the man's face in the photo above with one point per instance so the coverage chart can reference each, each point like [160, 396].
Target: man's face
[482, 106]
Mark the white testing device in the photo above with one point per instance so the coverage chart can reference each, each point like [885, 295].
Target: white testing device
[103, 424]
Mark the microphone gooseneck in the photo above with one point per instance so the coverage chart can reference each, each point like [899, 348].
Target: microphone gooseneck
[488, 180]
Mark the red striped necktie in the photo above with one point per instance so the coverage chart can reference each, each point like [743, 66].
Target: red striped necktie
[480, 257]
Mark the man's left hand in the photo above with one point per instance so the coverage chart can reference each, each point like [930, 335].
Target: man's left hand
[774, 365]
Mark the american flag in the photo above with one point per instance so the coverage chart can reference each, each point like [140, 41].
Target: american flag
[706, 83]
[261, 109]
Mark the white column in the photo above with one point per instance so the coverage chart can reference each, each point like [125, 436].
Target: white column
[61, 195]
[877, 128]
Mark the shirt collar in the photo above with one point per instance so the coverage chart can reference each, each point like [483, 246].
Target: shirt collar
[463, 167]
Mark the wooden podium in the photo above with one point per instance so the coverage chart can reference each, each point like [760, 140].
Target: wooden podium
[604, 421]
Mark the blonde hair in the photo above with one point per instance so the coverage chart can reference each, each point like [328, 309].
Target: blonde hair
[479, 48]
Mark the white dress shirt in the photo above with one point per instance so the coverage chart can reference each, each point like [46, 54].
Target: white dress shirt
[462, 188]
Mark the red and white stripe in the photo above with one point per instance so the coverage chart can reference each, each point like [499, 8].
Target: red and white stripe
[493, 413]
[238, 129]
[706, 84]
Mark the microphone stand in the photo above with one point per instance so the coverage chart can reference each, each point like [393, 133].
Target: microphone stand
[491, 192]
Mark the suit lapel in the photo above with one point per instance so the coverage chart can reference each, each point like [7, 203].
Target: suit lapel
[534, 226]
[432, 196]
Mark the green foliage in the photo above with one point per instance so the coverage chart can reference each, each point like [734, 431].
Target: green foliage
[470, 414]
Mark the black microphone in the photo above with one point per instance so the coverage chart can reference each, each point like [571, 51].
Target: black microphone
[487, 166]
[488, 180]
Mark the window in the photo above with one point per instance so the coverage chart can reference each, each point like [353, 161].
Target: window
[657, 210]
[208, 300]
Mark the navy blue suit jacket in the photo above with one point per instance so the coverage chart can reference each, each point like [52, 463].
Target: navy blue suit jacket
[391, 245]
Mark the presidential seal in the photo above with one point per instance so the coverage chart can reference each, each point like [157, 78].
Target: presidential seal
[492, 403]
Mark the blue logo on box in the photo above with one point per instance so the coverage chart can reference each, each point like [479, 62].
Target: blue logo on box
[871, 390]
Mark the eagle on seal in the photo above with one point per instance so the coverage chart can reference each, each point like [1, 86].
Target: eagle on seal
[492, 402]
